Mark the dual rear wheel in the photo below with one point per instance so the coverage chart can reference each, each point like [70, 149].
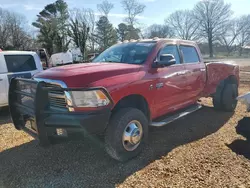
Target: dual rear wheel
[225, 98]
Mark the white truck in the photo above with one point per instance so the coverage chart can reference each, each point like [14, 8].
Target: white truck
[15, 64]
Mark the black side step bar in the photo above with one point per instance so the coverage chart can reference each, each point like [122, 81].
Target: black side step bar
[176, 116]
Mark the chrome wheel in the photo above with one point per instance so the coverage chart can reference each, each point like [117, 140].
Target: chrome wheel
[132, 135]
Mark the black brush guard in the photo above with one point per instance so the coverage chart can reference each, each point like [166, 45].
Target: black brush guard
[30, 111]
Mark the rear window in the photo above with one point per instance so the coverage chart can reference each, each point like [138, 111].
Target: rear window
[20, 63]
[190, 54]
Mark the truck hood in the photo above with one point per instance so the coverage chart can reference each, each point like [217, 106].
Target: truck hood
[83, 75]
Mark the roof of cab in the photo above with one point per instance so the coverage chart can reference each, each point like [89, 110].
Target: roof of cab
[156, 39]
[17, 52]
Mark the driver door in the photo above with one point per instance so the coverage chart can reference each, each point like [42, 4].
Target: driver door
[170, 83]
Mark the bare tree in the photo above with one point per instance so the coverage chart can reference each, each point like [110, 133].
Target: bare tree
[17, 33]
[13, 31]
[161, 31]
[184, 24]
[4, 28]
[212, 17]
[133, 8]
[105, 7]
[244, 35]
[231, 32]
[86, 16]
[91, 24]
[79, 30]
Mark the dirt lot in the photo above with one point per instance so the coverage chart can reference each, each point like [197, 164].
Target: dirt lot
[201, 150]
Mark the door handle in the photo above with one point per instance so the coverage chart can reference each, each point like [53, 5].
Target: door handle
[1, 79]
[181, 73]
[184, 73]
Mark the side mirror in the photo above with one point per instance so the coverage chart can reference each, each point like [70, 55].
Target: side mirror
[42, 55]
[165, 60]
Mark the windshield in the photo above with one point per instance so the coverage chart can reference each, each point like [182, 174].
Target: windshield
[131, 53]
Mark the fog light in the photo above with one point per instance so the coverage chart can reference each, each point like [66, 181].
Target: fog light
[61, 132]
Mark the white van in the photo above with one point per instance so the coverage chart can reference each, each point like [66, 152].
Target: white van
[16, 64]
[77, 55]
[59, 59]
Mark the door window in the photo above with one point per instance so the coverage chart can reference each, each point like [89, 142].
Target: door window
[190, 54]
[20, 63]
[173, 50]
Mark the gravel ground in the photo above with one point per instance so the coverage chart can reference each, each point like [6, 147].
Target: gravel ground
[200, 150]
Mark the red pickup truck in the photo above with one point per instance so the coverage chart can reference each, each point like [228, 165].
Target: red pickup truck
[126, 89]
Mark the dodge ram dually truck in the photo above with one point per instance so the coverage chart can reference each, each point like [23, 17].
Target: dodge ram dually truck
[123, 91]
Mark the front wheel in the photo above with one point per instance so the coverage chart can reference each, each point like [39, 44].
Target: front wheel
[126, 134]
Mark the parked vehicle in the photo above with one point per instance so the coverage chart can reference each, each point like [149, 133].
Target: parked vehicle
[126, 89]
[76, 55]
[15, 64]
[59, 59]
[44, 57]
[92, 56]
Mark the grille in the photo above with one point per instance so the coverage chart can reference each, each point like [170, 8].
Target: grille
[57, 99]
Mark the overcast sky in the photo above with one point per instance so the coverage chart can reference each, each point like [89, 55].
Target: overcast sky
[156, 10]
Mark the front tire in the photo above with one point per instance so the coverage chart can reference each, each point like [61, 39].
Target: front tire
[126, 134]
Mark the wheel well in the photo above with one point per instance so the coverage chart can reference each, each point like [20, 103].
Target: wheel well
[134, 101]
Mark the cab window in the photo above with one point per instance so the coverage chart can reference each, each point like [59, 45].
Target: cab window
[173, 50]
[190, 54]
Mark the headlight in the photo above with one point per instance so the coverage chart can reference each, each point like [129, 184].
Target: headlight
[95, 98]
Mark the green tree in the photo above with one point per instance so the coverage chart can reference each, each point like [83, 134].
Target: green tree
[105, 35]
[127, 32]
[52, 24]
[133, 33]
[122, 31]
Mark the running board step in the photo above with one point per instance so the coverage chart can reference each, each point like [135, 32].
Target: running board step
[176, 116]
